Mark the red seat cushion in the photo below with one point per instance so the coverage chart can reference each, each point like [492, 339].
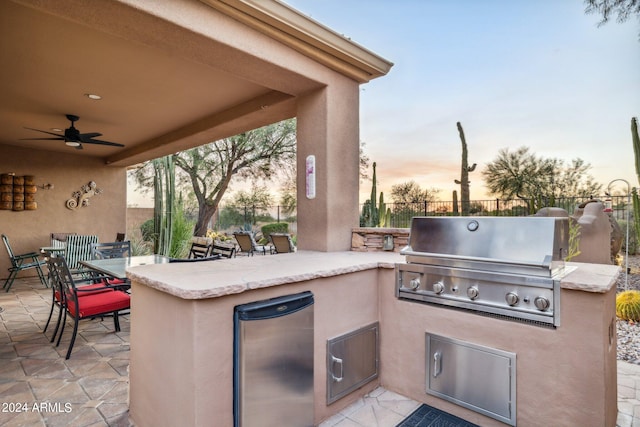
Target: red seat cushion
[93, 289]
[105, 302]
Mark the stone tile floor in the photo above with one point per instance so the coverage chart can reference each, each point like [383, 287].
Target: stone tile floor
[38, 387]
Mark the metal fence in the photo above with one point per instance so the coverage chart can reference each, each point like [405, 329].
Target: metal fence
[252, 217]
[401, 213]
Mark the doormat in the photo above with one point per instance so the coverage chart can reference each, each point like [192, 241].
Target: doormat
[428, 416]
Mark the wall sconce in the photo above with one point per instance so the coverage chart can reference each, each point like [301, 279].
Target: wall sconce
[47, 186]
[387, 242]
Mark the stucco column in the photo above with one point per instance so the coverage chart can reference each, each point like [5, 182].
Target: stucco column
[328, 128]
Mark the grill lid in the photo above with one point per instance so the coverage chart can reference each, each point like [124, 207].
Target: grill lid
[520, 245]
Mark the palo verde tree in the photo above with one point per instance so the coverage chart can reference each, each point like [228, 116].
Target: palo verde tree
[210, 169]
[539, 181]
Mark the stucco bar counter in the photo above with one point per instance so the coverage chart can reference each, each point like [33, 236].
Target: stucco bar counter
[181, 361]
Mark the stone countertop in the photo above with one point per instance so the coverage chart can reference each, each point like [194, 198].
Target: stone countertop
[218, 278]
[212, 279]
[598, 278]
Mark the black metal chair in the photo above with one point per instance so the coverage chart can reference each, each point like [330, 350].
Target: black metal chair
[199, 250]
[81, 303]
[57, 295]
[22, 262]
[223, 250]
[113, 250]
[208, 258]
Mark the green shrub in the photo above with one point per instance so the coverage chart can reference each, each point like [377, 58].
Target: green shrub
[147, 230]
[181, 233]
[275, 227]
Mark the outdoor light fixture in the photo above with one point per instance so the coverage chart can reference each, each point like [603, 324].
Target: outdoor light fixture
[387, 242]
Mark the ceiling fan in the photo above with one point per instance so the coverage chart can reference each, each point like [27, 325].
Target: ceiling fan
[72, 136]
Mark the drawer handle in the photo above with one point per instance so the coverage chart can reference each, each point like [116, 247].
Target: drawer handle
[437, 364]
[335, 360]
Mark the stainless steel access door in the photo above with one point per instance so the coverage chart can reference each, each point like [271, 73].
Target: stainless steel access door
[273, 366]
[479, 378]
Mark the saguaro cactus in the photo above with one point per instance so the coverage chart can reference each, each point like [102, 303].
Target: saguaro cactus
[464, 174]
[375, 215]
[456, 211]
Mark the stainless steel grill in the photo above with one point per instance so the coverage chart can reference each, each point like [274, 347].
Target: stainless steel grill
[504, 266]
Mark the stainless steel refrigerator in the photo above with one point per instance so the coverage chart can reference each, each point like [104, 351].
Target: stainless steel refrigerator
[273, 362]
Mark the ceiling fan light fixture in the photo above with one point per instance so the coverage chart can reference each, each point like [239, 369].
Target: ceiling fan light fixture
[72, 143]
[93, 96]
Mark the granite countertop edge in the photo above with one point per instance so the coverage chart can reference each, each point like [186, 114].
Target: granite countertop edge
[147, 275]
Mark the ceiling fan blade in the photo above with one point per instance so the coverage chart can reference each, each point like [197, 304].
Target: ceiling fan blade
[44, 131]
[42, 139]
[97, 141]
[87, 136]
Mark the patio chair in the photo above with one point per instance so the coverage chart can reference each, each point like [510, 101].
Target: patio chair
[59, 240]
[248, 244]
[90, 305]
[225, 251]
[22, 262]
[57, 299]
[113, 250]
[199, 250]
[282, 243]
[207, 258]
[78, 249]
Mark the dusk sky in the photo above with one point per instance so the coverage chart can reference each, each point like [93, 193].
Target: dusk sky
[529, 73]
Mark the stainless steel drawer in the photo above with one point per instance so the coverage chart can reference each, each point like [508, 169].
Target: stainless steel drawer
[479, 378]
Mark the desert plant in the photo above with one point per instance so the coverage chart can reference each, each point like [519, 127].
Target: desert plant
[375, 215]
[628, 305]
[464, 173]
[456, 211]
[274, 227]
[574, 240]
[181, 233]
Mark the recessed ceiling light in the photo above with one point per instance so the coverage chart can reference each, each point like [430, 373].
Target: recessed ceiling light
[56, 129]
[93, 96]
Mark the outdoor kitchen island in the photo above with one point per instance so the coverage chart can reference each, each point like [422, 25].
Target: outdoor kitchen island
[181, 361]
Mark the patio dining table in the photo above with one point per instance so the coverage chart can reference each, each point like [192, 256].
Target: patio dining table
[117, 267]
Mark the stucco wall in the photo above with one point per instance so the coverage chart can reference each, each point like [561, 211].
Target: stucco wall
[29, 230]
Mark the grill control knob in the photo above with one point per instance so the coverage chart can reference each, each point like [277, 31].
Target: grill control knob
[414, 284]
[438, 287]
[542, 303]
[512, 298]
[473, 292]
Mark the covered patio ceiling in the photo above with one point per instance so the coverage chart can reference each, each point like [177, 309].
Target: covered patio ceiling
[171, 75]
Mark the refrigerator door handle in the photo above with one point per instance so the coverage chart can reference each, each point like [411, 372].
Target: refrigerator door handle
[336, 360]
